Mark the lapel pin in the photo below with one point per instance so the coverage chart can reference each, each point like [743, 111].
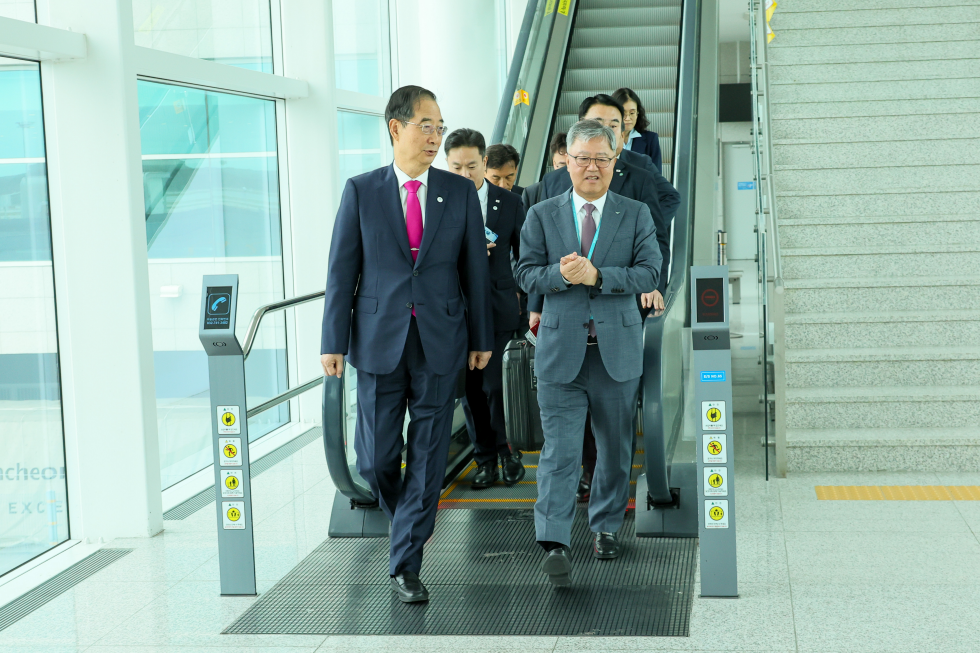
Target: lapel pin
[438, 199]
[498, 201]
[495, 208]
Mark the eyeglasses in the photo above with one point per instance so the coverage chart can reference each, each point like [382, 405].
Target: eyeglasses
[429, 129]
[632, 114]
[584, 161]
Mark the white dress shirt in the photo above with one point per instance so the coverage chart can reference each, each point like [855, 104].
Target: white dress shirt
[403, 192]
[483, 192]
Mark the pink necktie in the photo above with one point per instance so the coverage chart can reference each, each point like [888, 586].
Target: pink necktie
[413, 219]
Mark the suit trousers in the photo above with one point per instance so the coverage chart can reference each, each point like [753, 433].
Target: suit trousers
[563, 409]
[410, 503]
[484, 405]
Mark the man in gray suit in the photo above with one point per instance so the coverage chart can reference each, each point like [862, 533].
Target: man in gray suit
[589, 252]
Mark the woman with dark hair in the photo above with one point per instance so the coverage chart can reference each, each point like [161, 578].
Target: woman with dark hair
[635, 125]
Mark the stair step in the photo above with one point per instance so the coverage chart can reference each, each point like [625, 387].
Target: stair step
[635, 78]
[625, 37]
[894, 231]
[874, 129]
[873, 53]
[907, 261]
[857, 109]
[874, 91]
[613, 57]
[808, 37]
[843, 73]
[863, 330]
[884, 294]
[613, 4]
[802, 204]
[887, 155]
[886, 366]
[883, 407]
[935, 178]
[927, 449]
[863, 16]
[810, 6]
[627, 17]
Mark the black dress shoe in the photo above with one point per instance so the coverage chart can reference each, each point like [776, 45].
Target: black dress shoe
[584, 490]
[486, 475]
[408, 588]
[606, 546]
[513, 468]
[558, 565]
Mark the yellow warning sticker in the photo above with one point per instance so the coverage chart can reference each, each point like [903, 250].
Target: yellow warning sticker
[550, 7]
[716, 481]
[563, 7]
[713, 416]
[231, 484]
[229, 422]
[233, 515]
[716, 514]
[231, 452]
[713, 448]
[228, 419]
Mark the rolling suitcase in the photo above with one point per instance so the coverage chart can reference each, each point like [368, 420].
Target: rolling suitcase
[521, 414]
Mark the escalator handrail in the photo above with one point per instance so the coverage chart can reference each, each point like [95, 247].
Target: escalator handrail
[335, 439]
[660, 438]
[513, 77]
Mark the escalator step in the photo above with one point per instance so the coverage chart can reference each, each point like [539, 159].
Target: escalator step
[637, 79]
[625, 37]
[634, 16]
[611, 57]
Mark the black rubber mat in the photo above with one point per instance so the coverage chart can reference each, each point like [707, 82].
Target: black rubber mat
[482, 568]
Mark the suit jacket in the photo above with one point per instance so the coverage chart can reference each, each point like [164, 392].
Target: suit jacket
[669, 198]
[373, 284]
[628, 181]
[649, 143]
[505, 217]
[627, 256]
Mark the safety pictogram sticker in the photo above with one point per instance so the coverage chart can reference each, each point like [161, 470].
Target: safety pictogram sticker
[716, 514]
[228, 420]
[231, 452]
[713, 448]
[716, 482]
[233, 515]
[231, 484]
[713, 416]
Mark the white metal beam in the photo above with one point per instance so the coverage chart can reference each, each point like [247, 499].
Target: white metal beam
[21, 39]
[352, 101]
[176, 68]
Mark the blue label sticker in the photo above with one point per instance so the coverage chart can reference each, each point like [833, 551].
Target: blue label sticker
[746, 185]
[713, 377]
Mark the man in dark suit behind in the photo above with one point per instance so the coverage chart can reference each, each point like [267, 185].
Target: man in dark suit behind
[407, 249]
[503, 214]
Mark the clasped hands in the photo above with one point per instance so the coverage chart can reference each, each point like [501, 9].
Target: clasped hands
[578, 270]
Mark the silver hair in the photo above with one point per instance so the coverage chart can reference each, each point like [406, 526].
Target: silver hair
[587, 130]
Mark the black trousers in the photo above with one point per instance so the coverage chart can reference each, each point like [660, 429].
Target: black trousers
[484, 405]
[411, 503]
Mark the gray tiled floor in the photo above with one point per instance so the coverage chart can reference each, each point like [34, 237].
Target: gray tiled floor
[814, 577]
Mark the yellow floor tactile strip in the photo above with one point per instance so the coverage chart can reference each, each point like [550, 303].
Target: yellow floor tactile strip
[898, 492]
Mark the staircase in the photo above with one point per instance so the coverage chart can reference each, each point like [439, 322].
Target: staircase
[876, 147]
[632, 43]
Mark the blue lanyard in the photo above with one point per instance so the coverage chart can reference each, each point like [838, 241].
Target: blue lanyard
[578, 231]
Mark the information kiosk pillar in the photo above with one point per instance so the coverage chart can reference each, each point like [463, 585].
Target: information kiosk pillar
[711, 365]
[229, 432]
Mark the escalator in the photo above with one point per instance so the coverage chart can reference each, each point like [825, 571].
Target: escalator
[481, 564]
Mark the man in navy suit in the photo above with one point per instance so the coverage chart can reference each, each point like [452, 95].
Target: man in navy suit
[503, 214]
[407, 256]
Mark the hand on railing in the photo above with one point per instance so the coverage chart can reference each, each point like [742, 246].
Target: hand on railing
[333, 364]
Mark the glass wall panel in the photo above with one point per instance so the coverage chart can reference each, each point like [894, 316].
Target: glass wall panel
[233, 32]
[363, 142]
[19, 9]
[211, 195]
[360, 41]
[33, 493]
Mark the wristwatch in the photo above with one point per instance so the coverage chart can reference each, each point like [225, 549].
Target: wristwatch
[598, 279]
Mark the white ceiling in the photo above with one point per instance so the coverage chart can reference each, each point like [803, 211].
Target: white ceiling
[733, 20]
